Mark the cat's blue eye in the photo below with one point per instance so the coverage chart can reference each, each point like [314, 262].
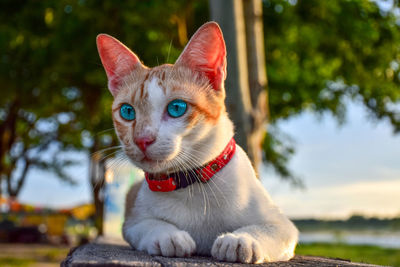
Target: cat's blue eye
[127, 112]
[176, 108]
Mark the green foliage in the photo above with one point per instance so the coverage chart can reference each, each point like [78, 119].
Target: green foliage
[35, 116]
[355, 253]
[321, 53]
[318, 52]
[14, 261]
[54, 88]
[277, 150]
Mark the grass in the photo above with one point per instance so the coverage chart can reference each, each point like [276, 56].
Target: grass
[22, 255]
[12, 261]
[355, 253]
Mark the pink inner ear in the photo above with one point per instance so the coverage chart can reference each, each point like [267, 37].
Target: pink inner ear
[206, 53]
[117, 59]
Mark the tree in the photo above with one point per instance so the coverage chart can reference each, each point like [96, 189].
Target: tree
[321, 53]
[257, 77]
[29, 125]
[246, 81]
[230, 17]
[55, 95]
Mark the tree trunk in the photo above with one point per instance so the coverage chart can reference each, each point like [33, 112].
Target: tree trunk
[7, 139]
[246, 70]
[14, 190]
[97, 171]
[229, 15]
[257, 77]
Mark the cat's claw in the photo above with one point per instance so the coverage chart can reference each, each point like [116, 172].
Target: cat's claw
[171, 244]
[237, 248]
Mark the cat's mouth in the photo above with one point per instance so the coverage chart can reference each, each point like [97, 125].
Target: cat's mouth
[159, 158]
[151, 161]
[152, 165]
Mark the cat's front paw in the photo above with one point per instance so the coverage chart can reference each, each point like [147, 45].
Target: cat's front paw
[237, 248]
[171, 244]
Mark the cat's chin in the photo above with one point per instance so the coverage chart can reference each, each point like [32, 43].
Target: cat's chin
[153, 166]
[156, 164]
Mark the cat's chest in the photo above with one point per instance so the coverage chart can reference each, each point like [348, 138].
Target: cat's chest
[204, 214]
[193, 206]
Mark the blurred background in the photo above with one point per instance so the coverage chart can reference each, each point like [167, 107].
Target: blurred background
[313, 88]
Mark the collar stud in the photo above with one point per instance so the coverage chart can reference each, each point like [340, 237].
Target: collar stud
[214, 167]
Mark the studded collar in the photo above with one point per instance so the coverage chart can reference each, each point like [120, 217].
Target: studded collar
[182, 179]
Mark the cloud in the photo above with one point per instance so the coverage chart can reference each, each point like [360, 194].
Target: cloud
[373, 198]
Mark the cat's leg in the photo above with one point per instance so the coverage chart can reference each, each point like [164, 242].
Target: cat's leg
[257, 244]
[158, 237]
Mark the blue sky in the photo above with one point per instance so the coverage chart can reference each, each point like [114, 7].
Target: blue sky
[353, 168]
[350, 168]
[43, 189]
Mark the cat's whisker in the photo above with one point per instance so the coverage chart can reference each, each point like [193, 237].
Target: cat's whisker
[211, 189]
[189, 157]
[203, 191]
[105, 149]
[103, 156]
[202, 154]
[112, 154]
[201, 186]
[104, 159]
[117, 158]
[186, 169]
[187, 180]
[182, 168]
[117, 163]
[178, 165]
[169, 50]
[104, 131]
[199, 181]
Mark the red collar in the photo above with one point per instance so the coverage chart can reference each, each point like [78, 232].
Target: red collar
[182, 179]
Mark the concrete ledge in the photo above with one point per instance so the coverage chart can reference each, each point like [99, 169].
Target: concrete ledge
[100, 254]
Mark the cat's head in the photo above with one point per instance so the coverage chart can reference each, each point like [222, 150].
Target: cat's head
[161, 113]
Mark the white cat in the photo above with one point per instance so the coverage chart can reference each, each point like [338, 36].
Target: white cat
[201, 194]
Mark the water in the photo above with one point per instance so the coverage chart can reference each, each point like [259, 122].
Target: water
[381, 239]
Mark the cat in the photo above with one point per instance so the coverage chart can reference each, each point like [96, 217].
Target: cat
[201, 195]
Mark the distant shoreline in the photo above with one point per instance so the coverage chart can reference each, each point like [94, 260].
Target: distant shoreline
[354, 223]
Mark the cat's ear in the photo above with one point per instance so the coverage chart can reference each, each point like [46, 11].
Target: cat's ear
[206, 53]
[117, 59]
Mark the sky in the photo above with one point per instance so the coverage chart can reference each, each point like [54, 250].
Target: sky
[347, 169]
[353, 168]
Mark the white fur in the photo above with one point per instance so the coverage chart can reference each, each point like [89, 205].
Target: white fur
[231, 217]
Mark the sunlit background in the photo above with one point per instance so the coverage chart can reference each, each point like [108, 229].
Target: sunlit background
[347, 169]
[331, 157]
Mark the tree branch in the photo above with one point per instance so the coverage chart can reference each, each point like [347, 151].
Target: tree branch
[22, 178]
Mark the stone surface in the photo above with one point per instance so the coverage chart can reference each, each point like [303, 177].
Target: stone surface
[112, 254]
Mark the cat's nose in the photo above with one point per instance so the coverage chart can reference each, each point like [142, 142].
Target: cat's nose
[144, 142]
